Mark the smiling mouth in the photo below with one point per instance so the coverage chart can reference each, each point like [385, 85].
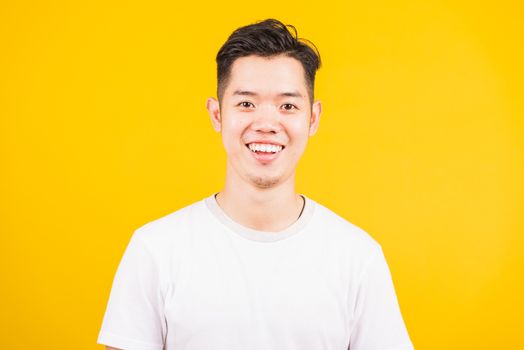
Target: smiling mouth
[264, 148]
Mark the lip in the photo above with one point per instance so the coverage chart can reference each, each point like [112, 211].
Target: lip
[263, 157]
[268, 142]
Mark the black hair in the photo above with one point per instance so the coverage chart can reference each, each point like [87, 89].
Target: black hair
[267, 38]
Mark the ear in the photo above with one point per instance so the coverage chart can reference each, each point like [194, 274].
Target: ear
[316, 111]
[213, 108]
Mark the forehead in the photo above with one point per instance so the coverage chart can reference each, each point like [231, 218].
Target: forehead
[267, 75]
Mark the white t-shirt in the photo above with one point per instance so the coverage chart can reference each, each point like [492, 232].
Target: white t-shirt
[197, 280]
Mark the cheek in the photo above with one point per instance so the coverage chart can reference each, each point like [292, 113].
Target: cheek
[232, 131]
[299, 130]
[233, 121]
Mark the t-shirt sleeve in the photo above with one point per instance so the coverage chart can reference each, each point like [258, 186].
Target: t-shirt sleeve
[378, 322]
[134, 317]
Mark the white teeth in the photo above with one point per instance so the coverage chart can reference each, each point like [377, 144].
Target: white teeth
[264, 147]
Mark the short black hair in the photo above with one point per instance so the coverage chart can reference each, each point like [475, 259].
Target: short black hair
[267, 38]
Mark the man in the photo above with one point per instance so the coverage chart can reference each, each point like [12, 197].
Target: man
[256, 266]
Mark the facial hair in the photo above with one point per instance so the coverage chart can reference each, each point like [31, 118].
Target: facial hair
[264, 182]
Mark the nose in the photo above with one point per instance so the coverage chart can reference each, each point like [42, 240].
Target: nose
[267, 120]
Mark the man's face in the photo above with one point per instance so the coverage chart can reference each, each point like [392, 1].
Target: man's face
[265, 118]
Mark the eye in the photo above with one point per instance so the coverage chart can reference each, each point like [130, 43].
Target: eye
[289, 106]
[246, 104]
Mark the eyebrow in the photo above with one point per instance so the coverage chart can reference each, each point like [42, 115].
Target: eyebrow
[252, 93]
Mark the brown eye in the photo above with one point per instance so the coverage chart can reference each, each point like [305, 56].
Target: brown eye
[288, 106]
[246, 104]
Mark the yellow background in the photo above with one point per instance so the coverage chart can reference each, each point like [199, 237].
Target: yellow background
[103, 128]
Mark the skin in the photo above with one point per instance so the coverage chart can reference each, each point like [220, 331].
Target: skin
[267, 100]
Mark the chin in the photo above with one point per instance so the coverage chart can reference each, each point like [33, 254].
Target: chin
[264, 182]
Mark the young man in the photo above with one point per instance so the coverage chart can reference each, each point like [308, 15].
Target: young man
[256, 266]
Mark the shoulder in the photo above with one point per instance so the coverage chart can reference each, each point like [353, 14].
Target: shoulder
[339, 230]
[169, 231]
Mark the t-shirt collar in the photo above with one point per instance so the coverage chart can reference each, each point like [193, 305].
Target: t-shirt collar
[256, 235]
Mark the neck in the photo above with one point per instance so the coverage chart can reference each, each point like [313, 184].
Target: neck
[269, 209]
